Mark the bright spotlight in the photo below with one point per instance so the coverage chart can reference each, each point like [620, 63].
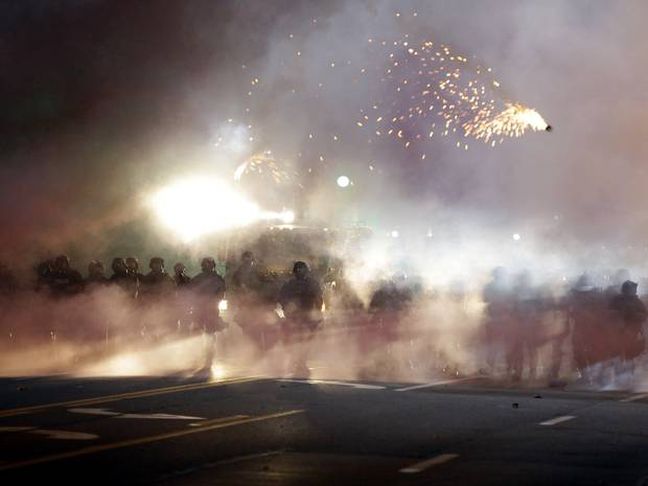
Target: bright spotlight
[343, 181]
[198, 206]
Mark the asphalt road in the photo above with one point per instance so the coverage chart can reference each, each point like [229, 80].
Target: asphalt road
[251, 430]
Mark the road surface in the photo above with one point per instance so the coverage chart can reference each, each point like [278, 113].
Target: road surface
[258, 430]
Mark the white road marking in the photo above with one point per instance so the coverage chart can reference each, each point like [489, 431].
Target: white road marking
[361, 386]
[557, 420]
[145, 416]
[634, 398]
[218, 420]
[142, 440]
[158, 416]
[434, 383]
[423, 465]
[64, 434]
[94, 411]
[211, 465]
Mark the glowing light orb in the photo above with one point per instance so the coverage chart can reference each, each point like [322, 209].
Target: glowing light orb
[516, 236]
[343, 181]
[394, 234]
[286, 216]
[218, 371]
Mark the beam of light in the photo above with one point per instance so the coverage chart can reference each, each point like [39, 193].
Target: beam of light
[198, 206]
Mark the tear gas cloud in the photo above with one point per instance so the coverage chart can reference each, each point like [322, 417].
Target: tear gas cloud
[80, 176]
[266, 98]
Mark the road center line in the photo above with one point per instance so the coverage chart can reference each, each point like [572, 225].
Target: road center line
[123, 396]
[143, 440]
[218, 420]
[361, 386]
[557, 420]
[64, 434]
[434, 383]
[224, 462]
[141, 416]
[634, 398]
[423, 465]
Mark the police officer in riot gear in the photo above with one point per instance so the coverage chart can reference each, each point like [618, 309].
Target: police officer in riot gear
[498, 317]
[246, 299]
[631, 314]
[123, 278]
[63, 279]
[208, 290]
[97, 274]
[180, 276]
[157, 282]
[182, 300]
[301, 300]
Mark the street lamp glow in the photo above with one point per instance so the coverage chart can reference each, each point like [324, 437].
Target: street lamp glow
[287, 216]
[343, 181]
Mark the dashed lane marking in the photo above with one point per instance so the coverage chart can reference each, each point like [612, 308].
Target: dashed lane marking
[361, 386]
[224, 462]
[423, 465]
[64, 434]
[218, 420]
[142, 440]
[558, 420]
[123, 396]
[634, 398]
[144, 416]
[433, 384]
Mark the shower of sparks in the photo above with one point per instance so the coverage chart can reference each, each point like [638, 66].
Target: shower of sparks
[513, 121]
[263, 163]
[404, 90]
[431, 90]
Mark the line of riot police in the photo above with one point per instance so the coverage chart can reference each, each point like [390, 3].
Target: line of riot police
[521, 331]
[596, 332]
